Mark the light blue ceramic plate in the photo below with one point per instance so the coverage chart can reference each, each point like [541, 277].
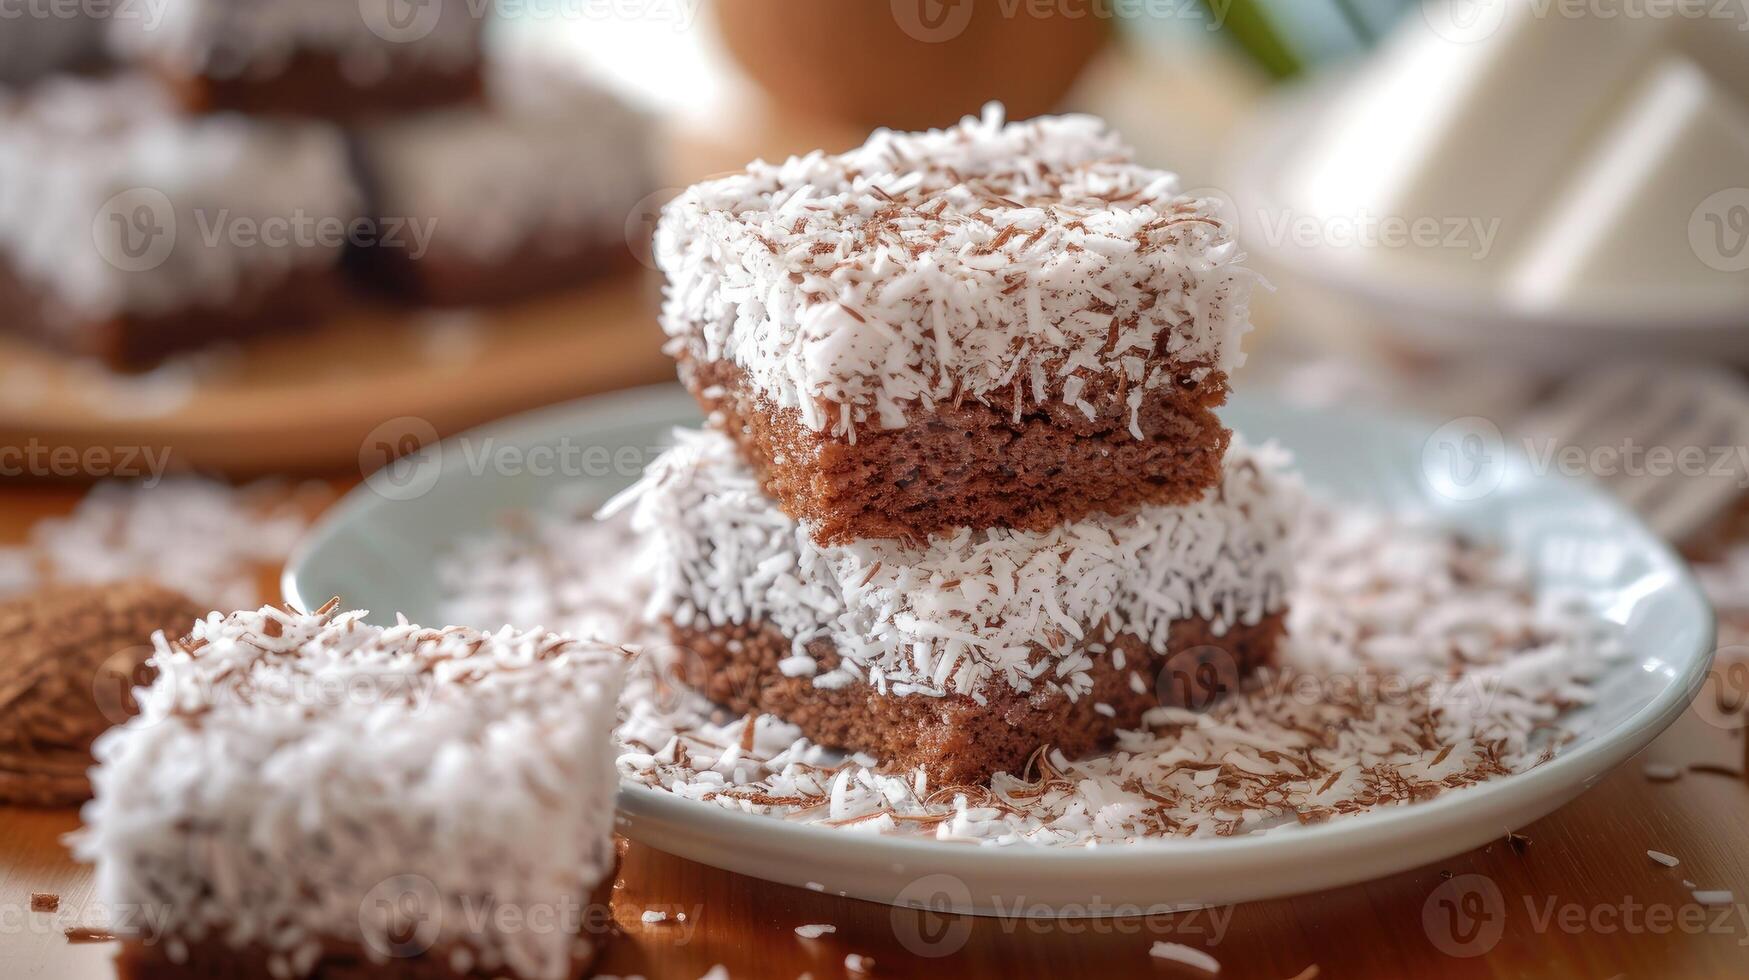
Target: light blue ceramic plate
[380, 546]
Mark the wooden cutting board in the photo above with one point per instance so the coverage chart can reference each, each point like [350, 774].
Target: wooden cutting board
[307, 402]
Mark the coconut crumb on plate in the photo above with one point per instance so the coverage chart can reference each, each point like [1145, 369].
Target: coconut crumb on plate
[1491, 666]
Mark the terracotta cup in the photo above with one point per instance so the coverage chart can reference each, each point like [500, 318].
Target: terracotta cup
[913, 64]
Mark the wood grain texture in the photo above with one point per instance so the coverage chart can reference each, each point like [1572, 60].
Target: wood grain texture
[1581, 899]
[307, 401]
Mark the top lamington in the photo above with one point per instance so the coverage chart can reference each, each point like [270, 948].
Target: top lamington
[1034, 259]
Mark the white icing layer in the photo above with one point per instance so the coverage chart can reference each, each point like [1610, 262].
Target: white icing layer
[551, 154]
[287, 771]
[921, 267]
[115, 205]
[257, 39]
[948, 615]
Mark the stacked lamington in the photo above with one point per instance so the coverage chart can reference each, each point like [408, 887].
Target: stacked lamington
[307, 795]
[239, 167]
[964, 494]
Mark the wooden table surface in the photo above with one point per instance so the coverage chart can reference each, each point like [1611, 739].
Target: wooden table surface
[1580, 899]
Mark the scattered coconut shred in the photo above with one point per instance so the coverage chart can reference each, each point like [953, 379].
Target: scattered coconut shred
[203, 538]
[1184, 955]
[1416, 662]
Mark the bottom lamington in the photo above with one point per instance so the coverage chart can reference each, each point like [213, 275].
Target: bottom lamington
[964, 654]
[956, 739]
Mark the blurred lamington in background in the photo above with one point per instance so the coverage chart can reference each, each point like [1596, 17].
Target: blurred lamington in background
[206, 171]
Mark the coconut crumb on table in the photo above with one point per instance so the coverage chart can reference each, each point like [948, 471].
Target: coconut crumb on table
[815, 931]
[1715, 896]
[203, 538]
[858, 963]
[1661, 772]
[1665, 859]
[1184, 955]
[1493, 667]
[654, 916]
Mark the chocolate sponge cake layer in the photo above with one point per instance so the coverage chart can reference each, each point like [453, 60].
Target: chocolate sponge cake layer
[958, 740]
[974, 464]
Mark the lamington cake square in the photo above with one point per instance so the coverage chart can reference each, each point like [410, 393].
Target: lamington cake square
[993, 325]
[341, 60]
[963, 655]
[128, 231]
[307, 795]
[524, 194]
